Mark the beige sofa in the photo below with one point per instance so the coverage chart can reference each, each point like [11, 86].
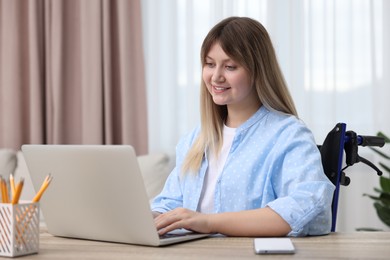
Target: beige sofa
[154, 167]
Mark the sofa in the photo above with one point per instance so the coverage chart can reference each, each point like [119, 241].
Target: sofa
[155, 168]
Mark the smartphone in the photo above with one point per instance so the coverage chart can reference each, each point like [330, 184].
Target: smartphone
[273, 245]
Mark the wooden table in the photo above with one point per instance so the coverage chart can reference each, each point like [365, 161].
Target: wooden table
[357, 245]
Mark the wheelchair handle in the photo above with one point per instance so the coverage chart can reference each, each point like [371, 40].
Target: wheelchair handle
[370, 141]
[351, 148]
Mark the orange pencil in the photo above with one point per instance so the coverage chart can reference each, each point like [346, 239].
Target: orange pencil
[12, 184]
[18, 191]
[4, 191]
[44, 186]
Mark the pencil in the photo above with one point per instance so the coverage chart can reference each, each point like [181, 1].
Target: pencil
[4, 191]
[12, 184]
[18, 191]
[44, 186]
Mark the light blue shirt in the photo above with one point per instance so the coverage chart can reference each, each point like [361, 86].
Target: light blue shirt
[274, 162]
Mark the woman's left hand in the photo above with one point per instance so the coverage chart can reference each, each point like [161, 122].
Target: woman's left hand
[183, 218]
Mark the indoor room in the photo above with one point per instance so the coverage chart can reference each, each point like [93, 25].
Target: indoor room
[150, 85]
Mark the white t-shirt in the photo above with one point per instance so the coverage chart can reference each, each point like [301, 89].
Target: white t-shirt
[206, 203]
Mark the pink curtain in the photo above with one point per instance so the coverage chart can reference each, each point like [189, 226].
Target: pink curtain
[72, 72]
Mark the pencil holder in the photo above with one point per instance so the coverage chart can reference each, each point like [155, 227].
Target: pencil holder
[19, 229]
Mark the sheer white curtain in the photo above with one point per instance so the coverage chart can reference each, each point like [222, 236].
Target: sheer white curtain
[334, 55]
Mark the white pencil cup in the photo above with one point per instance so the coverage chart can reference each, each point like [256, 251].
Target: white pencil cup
[19, 229]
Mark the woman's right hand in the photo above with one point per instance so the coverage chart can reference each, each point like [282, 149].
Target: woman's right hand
[155, 214]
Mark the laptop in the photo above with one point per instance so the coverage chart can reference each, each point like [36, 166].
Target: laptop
[97, 193]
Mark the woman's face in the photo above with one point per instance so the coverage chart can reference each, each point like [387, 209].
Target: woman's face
[226, 80]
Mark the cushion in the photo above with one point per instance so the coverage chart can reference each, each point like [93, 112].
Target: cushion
[155, 169]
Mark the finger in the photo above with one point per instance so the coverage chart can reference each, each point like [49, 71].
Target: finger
[155, 214]
[165, 215]
[169, 228]
[165, 220]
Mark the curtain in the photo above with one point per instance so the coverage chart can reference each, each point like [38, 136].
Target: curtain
[72, 72]
[334, 55]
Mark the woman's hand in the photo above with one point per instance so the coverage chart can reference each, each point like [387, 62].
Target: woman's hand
[155, 214]
[257, 222]
[183, 218]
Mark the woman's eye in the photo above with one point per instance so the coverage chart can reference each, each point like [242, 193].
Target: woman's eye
[231, 67]
[209, 64]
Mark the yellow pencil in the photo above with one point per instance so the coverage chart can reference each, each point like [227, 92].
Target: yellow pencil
[18, 191]
[12, 184]
[4, 191]
[44, 186]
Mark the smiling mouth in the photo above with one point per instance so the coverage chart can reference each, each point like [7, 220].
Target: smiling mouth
[220, 88]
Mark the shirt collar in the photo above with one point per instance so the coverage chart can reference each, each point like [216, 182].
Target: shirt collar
[260, 113]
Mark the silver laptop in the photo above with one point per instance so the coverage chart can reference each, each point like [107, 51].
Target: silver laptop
[97, 193]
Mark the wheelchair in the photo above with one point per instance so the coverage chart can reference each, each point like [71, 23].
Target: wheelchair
[337, 142]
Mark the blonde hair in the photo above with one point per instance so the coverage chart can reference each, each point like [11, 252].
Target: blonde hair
[246, 42]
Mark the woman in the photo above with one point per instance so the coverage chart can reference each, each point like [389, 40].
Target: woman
[252, 168]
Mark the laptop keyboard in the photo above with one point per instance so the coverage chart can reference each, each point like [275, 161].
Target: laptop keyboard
[176, 233]
[165, 236]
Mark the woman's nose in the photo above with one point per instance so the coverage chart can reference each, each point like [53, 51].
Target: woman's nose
[218, 76]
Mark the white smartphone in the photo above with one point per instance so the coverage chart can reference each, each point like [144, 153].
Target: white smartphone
[273, 245]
